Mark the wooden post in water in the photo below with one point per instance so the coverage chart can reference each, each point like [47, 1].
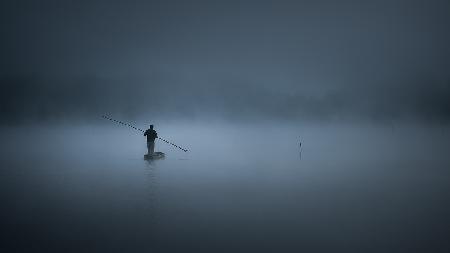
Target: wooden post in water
[300, 150]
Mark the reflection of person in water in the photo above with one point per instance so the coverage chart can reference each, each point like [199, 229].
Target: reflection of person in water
[151, 136]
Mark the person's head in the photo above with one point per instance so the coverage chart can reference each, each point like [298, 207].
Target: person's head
[151, 126]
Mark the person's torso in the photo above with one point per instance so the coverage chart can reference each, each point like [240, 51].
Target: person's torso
[151, 135]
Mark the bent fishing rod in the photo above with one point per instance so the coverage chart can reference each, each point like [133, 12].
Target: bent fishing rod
[138, 129]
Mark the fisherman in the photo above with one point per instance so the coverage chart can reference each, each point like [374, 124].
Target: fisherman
[151, 136]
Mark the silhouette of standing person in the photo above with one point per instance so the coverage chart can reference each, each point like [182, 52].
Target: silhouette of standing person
[151, 136]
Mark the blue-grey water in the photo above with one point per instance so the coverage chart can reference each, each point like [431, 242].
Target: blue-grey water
[241, 188]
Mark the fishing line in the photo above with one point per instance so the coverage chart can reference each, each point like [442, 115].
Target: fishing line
[138, 129]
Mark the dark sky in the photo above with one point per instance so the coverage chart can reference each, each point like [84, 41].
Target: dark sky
[293, 60]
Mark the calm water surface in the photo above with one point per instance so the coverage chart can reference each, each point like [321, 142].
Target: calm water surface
[86, 188]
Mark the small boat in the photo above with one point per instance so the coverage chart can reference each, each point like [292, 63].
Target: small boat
[154, 156]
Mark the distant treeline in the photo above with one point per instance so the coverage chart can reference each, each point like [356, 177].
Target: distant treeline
[39, 98]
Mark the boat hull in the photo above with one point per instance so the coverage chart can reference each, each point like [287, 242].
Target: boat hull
[155, 156]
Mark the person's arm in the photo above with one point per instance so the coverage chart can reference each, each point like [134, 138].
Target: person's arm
[145, 133]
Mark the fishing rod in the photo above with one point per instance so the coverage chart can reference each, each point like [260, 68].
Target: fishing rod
[138, 129]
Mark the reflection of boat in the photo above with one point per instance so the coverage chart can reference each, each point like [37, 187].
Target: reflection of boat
[154, 156]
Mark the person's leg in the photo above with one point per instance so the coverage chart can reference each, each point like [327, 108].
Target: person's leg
[148, 148]
[152, 148]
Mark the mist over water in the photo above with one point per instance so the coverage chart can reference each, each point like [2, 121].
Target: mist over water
[241, 187]
[313, 126]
